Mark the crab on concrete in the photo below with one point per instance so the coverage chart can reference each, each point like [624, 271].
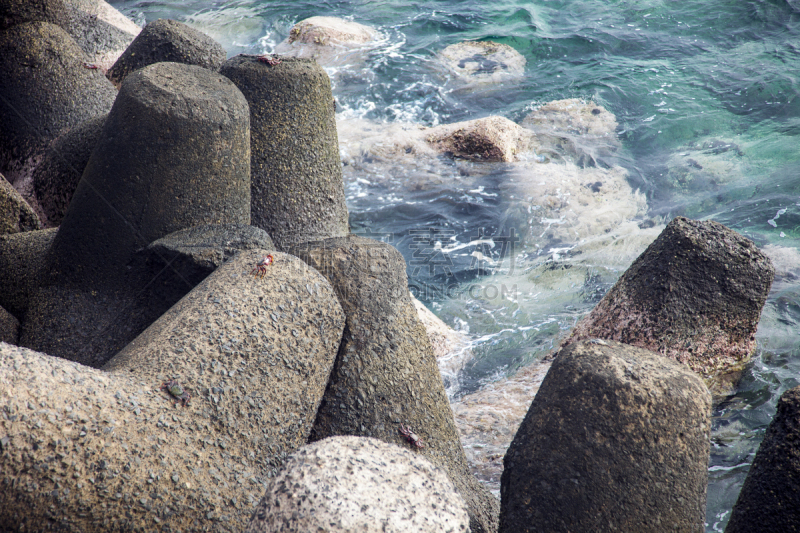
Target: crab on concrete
[177, 391]
[260, 270]
[411, 437]
[269, 60]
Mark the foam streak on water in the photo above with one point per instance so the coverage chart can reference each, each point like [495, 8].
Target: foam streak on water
[701, 102]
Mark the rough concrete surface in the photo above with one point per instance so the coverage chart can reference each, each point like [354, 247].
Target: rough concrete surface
[695, 295]
[56, 177]
[46, 88]
[165, 40]
[16, 215]
[22, 261]
[107, 450]
[385, 373]
[770, 497]
[138, 187]
[344, 484]
[616, 439]
[297, 185]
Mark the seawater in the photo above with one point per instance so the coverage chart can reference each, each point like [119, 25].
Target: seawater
[705, 97]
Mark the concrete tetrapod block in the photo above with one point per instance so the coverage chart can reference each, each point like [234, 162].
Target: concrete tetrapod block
[165, 40]
[22, 264]
[9, 327]
[16, 215]
[344, 484]
[695, 295]
[770, 497]
[100, 30]
[56, 177]
[45, 88]
[385, 373]
[297, 184]
[186, 257]
[13, 12]
[88, 450]
[138, 187]
[616, 439]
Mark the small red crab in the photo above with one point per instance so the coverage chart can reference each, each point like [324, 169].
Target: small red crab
[269, 60]
[91, 66]
[411, 437]
[177, 391]
[260, 270]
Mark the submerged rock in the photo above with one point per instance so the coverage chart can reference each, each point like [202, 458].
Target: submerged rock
[579, 130]
[344, 484]
[617, 439]
[328, 40]
[484, 139]
[770, 497]
[695, 295]
[483, 61]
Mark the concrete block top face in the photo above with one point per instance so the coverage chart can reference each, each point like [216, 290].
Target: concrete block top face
[694, 295]
[44, 81]
[249, 357]
[616, 437]
[344, 484]
[183, 91]
[770, 500]
[165, 40]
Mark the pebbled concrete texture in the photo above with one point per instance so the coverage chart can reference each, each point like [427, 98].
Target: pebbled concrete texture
[56, 177]
[770, 497]
[344, 484]
[167, 41]
[22, 265]
[84, 449]
[46, 89]
[385, 372]
[15, 214]
[9, 327]
[138, 188]
[616, 439]
[694, 295]
[297, 189]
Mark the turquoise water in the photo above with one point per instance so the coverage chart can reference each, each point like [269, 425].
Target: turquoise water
[705, 96]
